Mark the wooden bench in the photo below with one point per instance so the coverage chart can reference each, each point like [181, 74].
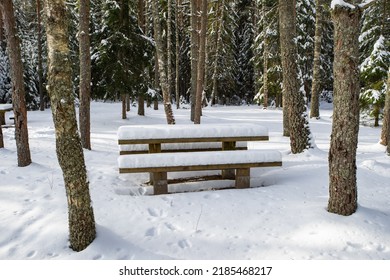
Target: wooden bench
[235, 164]
[3, 109]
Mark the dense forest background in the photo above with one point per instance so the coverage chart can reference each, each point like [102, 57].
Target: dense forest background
[242, 45]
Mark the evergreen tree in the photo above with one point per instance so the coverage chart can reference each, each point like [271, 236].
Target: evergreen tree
[119, 54]
[305, 43]
[375, 57]
[268, 71]
[221, 52]
[244, 36]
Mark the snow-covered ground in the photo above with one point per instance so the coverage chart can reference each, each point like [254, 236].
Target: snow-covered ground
[282, 217]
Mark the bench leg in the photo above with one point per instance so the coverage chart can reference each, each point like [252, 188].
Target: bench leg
[242, 178]
[228, 174]
[2, 118]
[160, 183]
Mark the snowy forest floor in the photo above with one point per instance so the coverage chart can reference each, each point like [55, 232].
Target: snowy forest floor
[283, 216]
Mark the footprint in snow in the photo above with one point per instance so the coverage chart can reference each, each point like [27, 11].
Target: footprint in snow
[152, 232]
[184, 244]
[154, 212]
[171, 227]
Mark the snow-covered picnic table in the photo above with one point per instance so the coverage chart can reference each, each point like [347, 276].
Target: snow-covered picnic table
[3, 109]
[193, 148]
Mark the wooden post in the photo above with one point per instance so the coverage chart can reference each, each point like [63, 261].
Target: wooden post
[228, 173]
[2, 117]
[243, 178]
[160, 183]
[153, 148]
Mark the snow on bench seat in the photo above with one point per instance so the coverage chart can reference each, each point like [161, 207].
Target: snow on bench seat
[148, 162]
[161, 163]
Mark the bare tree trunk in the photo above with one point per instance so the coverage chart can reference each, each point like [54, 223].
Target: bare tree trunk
[18, 93]
[294, 102]
[162, 64]
[266, 53]
[141, 23]
[124, 106]
[316, 84]
[85, 75]
[200, 83]
[68, 144]
[40, 66]
[169, 48]
[345, 128]
[220, 15]
[194, 54]
[177, 38]
[385, 135]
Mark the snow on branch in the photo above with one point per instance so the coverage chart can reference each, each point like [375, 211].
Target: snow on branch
[364, 5]
[341, 3]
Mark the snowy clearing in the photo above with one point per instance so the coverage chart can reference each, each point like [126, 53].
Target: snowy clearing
[282, 217]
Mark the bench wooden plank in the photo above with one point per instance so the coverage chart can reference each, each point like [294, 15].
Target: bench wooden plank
[160, 164]
[192, 140]
[198, 167]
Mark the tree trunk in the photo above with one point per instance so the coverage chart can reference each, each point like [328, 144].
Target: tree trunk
[218, 42]
[162, 67]
[200, 83]
[177, 38]
[40, 62]
[266, 53]
[68, 144]
[294, 102]
[141, 23]
[385, 135]
[345, 128]
[85, 75]
[18, 93]
[316, 84]
[124, 106]
[194, 53]
[169, 48]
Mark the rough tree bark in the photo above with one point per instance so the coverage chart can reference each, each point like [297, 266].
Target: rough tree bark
[178, 21]
[218, 43]
[141, 23]
[200, 83]
[316, 84]
[266, 54]
[68, 144]
[385, 135]
[18, 92]
[85, 75]
[345, 127]
[194, 53]
[294, 102]
[162, 67]
[40, 60]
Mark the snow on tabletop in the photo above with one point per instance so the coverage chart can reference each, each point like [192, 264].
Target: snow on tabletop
[5, 106]
[184, 159]
[179, 146]
[190, 131]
